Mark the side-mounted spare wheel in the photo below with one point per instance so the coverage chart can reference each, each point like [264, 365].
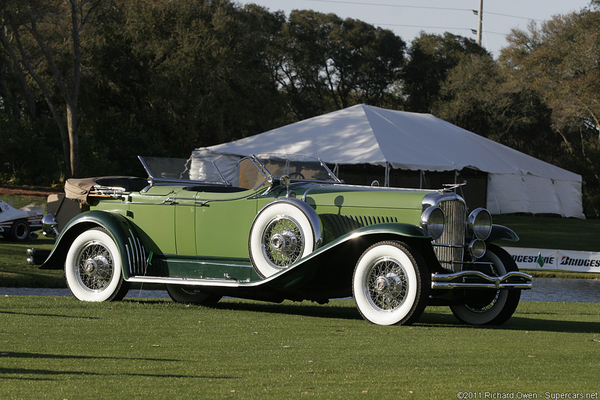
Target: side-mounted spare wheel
[391, 284]
[93, 267]
[283, 232]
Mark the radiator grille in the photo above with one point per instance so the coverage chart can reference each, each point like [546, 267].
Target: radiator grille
[454, 234]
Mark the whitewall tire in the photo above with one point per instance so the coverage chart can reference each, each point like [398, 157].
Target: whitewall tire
[390, 284]
[93, 267]
[282, 233]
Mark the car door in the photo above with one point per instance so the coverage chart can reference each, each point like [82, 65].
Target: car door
[223, 222]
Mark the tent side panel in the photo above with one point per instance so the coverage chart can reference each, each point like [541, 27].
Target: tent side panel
[514, 193]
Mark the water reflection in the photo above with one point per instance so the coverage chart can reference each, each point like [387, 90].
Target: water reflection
[133, 293]
[544, 289]
[563, 290]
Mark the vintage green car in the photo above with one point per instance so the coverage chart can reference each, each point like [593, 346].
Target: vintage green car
[275, 230]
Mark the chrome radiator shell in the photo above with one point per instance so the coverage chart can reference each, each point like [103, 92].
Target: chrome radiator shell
[450, 247]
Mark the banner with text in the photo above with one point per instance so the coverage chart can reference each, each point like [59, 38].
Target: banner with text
[579, 261]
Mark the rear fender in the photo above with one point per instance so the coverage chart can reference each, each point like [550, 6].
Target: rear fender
[132, 252]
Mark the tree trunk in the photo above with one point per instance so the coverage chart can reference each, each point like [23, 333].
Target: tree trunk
[74, 171]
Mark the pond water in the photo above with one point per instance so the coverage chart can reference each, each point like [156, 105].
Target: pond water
[544, 289]
[563, 290]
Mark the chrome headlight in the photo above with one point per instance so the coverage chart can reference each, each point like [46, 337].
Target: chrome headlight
[433, 221]
[477, 248]
[480, 223]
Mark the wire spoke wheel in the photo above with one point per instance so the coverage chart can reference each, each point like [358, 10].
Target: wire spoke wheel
[387, 283]
[93, 267]
[282, 233]
[283, 241]
[390, 284]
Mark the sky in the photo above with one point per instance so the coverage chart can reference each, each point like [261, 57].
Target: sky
[407, 18]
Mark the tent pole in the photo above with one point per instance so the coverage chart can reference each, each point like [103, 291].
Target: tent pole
[387, 174]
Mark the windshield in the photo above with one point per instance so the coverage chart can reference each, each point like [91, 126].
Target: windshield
[308, 169]
[248, 172]
[161, 169]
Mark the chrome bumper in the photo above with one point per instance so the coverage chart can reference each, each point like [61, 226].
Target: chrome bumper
[479, 280]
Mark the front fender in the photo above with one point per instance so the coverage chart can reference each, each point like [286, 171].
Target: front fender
[132, 252]
[500, 232]
[333, 264]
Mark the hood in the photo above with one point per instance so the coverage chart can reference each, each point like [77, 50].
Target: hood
[364, 197]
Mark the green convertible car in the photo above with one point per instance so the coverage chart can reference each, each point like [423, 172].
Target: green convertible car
[275, 230]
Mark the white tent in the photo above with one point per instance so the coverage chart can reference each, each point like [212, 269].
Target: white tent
[517, 183]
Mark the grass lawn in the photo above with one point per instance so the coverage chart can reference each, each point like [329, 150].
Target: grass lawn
[553, 233]
[22, 201]
[60, 348]
[14, 271]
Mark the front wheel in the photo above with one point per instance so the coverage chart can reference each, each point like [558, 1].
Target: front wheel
[19, 231]
[391, 284]
[490, 307]
[191, 295]
[93, 267]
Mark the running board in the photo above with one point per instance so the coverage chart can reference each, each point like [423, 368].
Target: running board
[231, 283]
[479, 280]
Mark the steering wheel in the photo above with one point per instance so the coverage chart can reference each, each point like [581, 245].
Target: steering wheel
[298, 175]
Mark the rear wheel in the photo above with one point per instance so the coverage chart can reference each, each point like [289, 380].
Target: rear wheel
[93, 267]
[19, 231]
[391, 284]
[191, 295]
[490, 307]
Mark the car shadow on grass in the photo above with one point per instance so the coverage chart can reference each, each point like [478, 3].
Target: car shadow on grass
[432, 317]
[11, 354]
[48, 315]
[515, 323]
[304, 309]
[39, 374]
[48, 374]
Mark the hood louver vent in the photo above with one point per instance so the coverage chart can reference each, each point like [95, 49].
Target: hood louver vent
[342, 224]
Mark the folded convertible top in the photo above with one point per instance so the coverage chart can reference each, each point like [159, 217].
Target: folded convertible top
[80, 189]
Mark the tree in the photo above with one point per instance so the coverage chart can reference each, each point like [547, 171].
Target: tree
[44, 40]
[172, 75]
[478, 96]
[559, 61]
[430, 59]
[323, 63]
